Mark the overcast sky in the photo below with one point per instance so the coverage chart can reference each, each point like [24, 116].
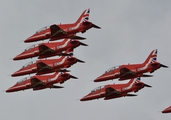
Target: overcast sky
[131, 29]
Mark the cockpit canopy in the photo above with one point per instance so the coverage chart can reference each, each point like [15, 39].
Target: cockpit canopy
[30, 47]
[22, 80]
[44, 28]
[98, 88]
[30, 63]
[113, 68]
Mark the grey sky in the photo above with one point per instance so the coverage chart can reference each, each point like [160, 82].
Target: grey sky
[131, 29]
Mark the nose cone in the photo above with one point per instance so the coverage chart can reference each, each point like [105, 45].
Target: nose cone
[18, 57]
[106, 76]
[100, 78]
[36, 37]
[97, 79]
[15, 74]
[11, 89]
[8, 90]
[85, 98]
[31, 39]
[167, 110]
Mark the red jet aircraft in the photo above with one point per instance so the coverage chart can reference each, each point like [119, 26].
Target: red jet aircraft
[47, 66]
[56, 32]
[129, 71]
[41, 82]
[112, 91]
[44, 50]
[167, 110]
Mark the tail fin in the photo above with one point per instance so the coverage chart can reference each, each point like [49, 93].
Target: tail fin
[137, 80]
[134, 80]
[68, 52]
[84, 16]
[152, 57]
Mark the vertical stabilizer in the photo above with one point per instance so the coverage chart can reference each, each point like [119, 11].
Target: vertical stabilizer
[84, 16]
[152, 57]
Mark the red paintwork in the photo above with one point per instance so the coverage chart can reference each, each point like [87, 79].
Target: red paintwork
[167, 110]
[81, 25]
[122, 90]
[52, 49]
[47, 66]
[48, 81]
[150, 65]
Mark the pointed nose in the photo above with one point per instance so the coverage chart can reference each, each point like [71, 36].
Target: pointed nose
[99, 79]
[83, 99]
[15, 74]
[30, 39]
[35, 38]
[17, 57]
[9, 90]
[165, 111]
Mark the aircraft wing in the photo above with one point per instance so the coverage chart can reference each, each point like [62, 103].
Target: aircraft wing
[77, 37]
[111, 92]
[42, 66]
[56, 31]
[44, 49]
[125, 72]
[35, 82]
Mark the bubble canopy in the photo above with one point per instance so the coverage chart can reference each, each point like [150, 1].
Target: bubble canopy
[30, 47]
[44, 28]
[30, 63]
[23, 79]
[113, 68]
[98, 88]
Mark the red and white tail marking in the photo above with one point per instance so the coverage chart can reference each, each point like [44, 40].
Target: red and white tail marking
[152, 57]
[84, 16]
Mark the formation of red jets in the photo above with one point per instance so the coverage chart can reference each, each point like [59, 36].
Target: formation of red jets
[51, 71]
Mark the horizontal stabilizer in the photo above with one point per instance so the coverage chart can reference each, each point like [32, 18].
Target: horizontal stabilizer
[144, 75]
[83, 44]
[131, 95]
[161, 65]
[71, 76]
[66, 54]
[63, 70]
[78, 60]
[95, 26]
[146, 85]
[80, 43]
[77, 37]
[55, 86]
